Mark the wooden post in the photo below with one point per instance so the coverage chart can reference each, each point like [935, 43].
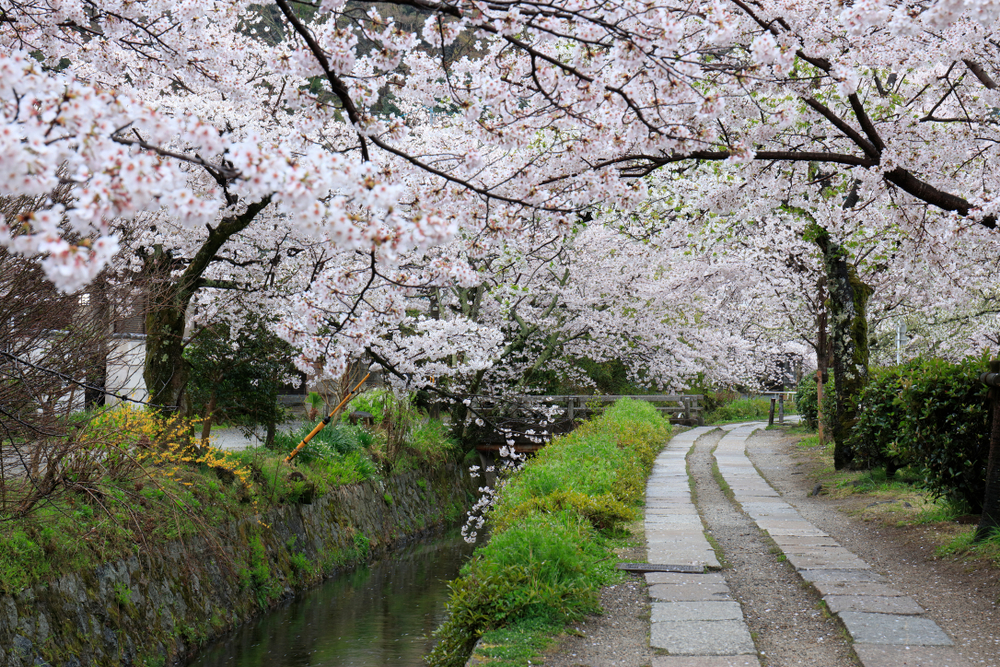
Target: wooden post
[569, 407]
[781, 409]
[770, 415]
[989, 520]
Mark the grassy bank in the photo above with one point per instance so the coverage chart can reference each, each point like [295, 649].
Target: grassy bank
[554, 528]
[124, 481]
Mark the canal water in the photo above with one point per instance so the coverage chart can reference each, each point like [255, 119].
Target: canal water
[380, 615]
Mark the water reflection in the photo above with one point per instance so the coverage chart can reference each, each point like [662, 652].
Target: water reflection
[373, 616]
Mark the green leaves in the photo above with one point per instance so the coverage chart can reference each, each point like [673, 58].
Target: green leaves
[931, 414]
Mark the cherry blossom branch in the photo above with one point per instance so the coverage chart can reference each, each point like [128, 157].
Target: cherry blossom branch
[336, 85]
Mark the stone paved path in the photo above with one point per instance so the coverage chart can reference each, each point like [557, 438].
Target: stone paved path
[694, 618]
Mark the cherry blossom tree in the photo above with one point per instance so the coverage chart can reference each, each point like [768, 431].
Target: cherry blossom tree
[259, 130]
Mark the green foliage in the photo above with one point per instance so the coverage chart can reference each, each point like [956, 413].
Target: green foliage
[236, 378]
[430, 443]
[947, 426]
[521, 643]
[542, 568]
[549, 553]
[741, 409]
[22, 561]
[932, 415]
[362, 545]
[334, 440]
[373, 401]
[805, 399]
[174, 491]
[882, 412]
[123, 594]
[604, 512]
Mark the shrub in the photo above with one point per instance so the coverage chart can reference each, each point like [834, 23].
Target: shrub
[541, 568]
[875, 440]
[947, 428]
[805, 400]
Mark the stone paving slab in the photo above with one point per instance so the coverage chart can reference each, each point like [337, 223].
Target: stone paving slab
[878, 604]
[689, 592]
[825, 588]
[706, 661]
[789, 542]
[776, 531]
[813, 562]
[696, 610]
[834, 575]
[906, 656]
[866, 628]
[674, 520]
[666, 557]
[702, 638]
[682, 578]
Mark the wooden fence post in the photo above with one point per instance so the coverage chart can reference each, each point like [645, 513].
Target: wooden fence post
[989, 520]
[781, 409]
[569, 407]
[770, 415]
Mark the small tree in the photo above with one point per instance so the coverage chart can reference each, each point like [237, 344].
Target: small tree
[236, 375]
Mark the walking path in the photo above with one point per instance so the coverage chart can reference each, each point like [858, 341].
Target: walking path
[694, 616]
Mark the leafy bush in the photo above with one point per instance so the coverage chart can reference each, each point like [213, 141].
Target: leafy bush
[335, 439]
[805, 399]
[947, 428]
[930, 414]
[875, 440]
[373, 401]
[549, 553]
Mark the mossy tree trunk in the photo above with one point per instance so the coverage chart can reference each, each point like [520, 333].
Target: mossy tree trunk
[848, 302]
[165, 371]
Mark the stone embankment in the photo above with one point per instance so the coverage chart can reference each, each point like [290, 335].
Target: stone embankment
[157, 607]
[707, 618]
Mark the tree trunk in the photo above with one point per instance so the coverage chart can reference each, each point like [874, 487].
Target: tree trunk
[98, 331]
[165, 369]
[989, 520]
[822, 362]
[848, 303]
[208, 417]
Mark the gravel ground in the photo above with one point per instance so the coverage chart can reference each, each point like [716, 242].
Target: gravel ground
[785, 619]
[783, 614]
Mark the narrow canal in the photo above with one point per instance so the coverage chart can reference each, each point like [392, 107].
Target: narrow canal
[381, 615]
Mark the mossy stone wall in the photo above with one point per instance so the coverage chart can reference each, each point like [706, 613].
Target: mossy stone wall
[158, 607]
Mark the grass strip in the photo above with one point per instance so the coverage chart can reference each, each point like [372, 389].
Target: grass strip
[554, 529]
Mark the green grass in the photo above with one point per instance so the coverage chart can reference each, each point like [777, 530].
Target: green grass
[742, 409]
[555, 528]
[162, 488]
[519, 644]
[962, 546]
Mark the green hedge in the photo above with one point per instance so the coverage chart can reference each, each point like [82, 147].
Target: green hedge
[550, 551]
[930, 414]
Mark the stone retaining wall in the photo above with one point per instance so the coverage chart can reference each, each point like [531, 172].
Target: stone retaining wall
[158, 607]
